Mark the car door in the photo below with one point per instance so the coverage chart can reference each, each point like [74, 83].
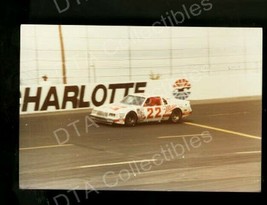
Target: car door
[153, 109]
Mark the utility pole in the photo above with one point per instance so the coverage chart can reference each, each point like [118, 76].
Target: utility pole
[129, 53]
[245, 50]
[208, 49]
[62, 55]
[36, 55]
[88, 55]
[171, 55]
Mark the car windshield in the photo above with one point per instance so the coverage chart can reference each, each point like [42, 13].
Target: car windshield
[133, 100]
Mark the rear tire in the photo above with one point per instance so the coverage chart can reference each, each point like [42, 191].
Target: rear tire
[131, 119]
[176, 116]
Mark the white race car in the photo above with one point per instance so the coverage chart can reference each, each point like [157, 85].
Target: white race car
[141, 108]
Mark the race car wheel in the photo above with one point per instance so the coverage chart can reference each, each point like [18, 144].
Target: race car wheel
[131, 119]
[176, 116]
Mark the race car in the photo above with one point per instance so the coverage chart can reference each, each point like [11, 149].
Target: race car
[138, 108]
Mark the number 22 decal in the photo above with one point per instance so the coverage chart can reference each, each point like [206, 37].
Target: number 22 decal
[151, 110]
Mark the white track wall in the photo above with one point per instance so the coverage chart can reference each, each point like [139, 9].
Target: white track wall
[202, 87]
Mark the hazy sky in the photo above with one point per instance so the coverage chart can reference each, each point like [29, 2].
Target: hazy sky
[115, 54]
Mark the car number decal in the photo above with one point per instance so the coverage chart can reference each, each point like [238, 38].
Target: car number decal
[151, 111]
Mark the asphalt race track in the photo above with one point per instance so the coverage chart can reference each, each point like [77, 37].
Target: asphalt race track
[217, 148]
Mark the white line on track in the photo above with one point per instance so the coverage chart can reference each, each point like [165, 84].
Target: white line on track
[107, 164]
[223, 114]
[45, 147]
[91, 166]
[222, 130]
[177, 136]
[248, 152]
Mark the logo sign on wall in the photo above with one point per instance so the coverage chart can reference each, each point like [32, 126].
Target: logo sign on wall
[181, 89]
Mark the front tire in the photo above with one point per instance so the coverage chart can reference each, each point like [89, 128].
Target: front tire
[176, 116]
[131, 119]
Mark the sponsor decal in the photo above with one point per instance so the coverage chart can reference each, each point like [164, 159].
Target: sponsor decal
[181, 89]
[141, 114]
[169, 109]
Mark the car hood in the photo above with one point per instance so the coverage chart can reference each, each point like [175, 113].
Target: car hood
[115, 107]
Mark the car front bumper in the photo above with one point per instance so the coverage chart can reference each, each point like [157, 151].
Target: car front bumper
[105, 120]
[187, 113]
